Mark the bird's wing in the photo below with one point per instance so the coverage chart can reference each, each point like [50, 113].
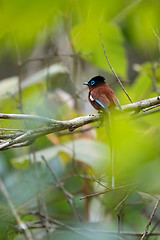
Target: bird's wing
[102, 102]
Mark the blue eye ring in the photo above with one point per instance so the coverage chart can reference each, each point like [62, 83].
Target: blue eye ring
[92, 82]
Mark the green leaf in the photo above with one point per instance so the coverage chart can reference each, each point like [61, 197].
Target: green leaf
[93, 153]
[134, 147]
[149, 68]
[140, 26]
[21, 165]
[141, 87]
[147, 197]
[48, 153]
[9, 86]
[57, 79]
[86, 40]
[152, 121]
[22, 20]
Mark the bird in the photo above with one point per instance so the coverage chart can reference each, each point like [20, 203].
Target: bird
[100, 95]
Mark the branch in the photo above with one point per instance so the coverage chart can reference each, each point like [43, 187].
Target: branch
[21, 225]
[150, 220]
[102, 192]
[116, 76]
[26, 117]
[79, 230]
[68, 196]
[142, 104]
[26, 137]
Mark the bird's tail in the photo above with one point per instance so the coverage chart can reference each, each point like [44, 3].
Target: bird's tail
[107, 119]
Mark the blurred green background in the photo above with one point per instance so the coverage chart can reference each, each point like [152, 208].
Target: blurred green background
[47, 50]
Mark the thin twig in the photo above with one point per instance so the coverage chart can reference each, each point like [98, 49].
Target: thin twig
[54, 221]
[10, 136]
[40, 198]
[45, 215]
[116, 76]
[2, 132]
[119, 223]
[12, 130]
[37, 177]
[92, 231]
[94, 194]
[102, 192]
[73, 157]
[101, 184]
[125, 11]
[41, 59]
[18, 71]
[154, 227]
[158, 38]
[124, 199]
[69, 197]
[22, 226]
[150, 220]
[150, 108]
[154, 86]
[26, 117]
[145, 113]
[19, 87]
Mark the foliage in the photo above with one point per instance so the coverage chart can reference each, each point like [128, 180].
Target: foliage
[56, 46]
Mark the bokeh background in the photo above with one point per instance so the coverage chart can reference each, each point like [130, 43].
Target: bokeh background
[47, 50]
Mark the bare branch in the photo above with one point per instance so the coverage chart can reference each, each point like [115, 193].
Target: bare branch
[102, 192]
[116, 76]
[124, 199]
[21, 225]
[80, 230]
[150, 220]
[26, 117]
[69, 197]
[25, 138]
[142, 104]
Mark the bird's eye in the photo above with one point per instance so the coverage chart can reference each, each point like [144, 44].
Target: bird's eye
[92, 83]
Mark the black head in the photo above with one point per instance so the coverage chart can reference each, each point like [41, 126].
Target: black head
[95, 81]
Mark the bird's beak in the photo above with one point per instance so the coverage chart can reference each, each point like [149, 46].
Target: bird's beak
[85, 83]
